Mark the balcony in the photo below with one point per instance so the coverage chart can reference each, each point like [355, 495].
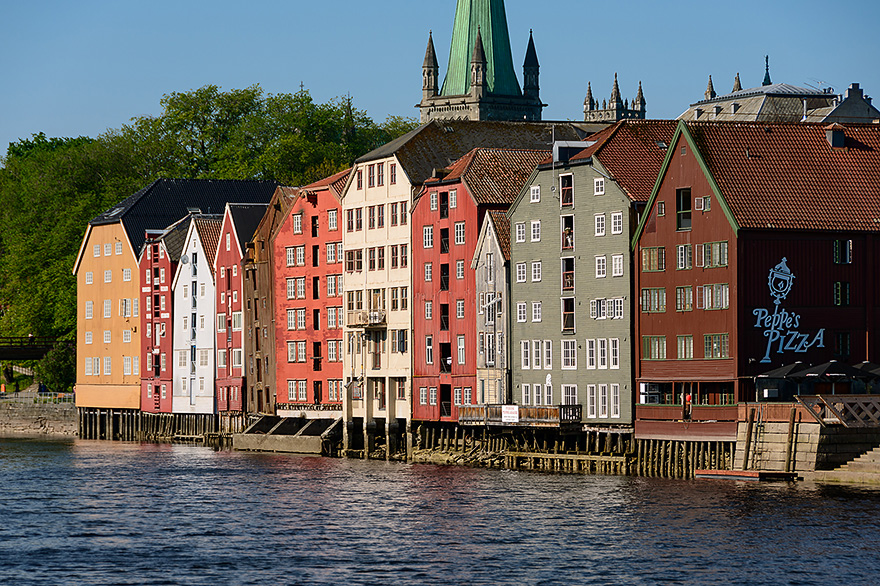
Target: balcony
[520, 416]
[366, 318]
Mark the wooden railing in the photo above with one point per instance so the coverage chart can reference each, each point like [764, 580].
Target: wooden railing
[543, 416]
[846, 410]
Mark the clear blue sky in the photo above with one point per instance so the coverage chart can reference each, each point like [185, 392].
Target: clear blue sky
[72, 68]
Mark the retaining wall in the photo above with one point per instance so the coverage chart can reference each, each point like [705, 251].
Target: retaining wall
[37, 419]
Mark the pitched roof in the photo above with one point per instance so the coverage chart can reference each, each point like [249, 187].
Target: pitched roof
[246, 218]
[632, 151]
[165, 201]
[788, 176]
[502, 231]
[494, 176]
[174, 238]
[208, 229]
[437, 144]
[335, 182]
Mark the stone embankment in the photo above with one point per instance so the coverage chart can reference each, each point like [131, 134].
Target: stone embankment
[18, 419]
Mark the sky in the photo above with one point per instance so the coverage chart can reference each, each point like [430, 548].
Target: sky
[78, 68]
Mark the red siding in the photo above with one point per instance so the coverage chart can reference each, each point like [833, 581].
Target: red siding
[229, 287]
[317, 369]
[154, 262]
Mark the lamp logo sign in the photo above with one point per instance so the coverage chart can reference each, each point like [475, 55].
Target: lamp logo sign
[781, 326]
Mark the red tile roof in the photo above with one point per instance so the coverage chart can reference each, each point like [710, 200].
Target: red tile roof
[209, 234]
[502, 230]
[632, 151]
[336, 182]
[787, 176]
[494, 176]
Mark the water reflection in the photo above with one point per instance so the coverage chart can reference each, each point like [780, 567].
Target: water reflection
[79, 512]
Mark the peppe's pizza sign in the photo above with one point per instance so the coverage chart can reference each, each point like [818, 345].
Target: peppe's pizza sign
[781, 326]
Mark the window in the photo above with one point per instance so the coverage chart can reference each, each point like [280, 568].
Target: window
[236, 321]
[108, 276]
[349, 218]
[459, 269]
[614, 349]
[602, 346]
[453, 199]
[683, 209]
[536, 271]
[380, 216]
[684, 257]
[107, 308]
[89, 309]
[684, 298]
[712, 254]
[433, 197]
[715, 296]
[716, 346]
[685, 347]
[332, 220]
[521, 270]
[521, 311]
[548, 354]
[490, 349]
[617, 265]
[527, 394]
[392, 173]
[654, 347]
[126, 336]
[380, 174]
[599, 186]
[568, 315]
[536, 230]
[536, 311]
[525, 354]
[371, 217]
[358, 219]
[599, 222]
[300, 258]
[459, 309]
[90, 277]
[569, 395]
[520, 231]
[617, 308]
[126, 275]
[459, 232]
[490, 267]
[842, 252]
[297, 227]
[654, 300]
[433, 395]
[566, 190]
[569, 354]
[428, 236]
[371, 175]
[96, 250]
[107, 361]
[403, 216]
[429, 309]
[591, 354]
[600, 267]
[290, 256]
[653, 259]
[535, 194]
[617, 223]
[106, 336]
[841, 293]
[108, 248]
[429, 349]
[461, 351]
[429, 270]
[423, 395]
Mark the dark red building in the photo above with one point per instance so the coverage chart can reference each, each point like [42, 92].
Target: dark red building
[307, 257]
[157, 264]
[756, 251]
[446, 221]
[239, 223]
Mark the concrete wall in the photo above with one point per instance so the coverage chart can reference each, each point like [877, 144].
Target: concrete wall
[26, 419]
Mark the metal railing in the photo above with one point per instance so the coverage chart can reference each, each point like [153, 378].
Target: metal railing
[361, 318]
[537, 416]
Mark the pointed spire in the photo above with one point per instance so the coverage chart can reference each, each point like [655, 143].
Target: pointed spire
[710, 90]
[615, 94]
[639, 103]
[531, 54]
[430, 55]
[479, 53]
[588, 101]
[737, 86]
[766, 71]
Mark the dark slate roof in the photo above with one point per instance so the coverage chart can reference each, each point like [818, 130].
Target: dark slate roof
[174, 238]
[246, 218]
[774, 89]
[502, 231]
[787, 176]
[495, 176]
[166, 200]
[632, 151]
[437, 144]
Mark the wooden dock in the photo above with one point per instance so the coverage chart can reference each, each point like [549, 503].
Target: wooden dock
[750, 475]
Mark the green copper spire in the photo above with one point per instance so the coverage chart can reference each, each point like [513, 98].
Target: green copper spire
[490, 18]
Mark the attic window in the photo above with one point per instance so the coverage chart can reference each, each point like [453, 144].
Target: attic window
[115, 212]
[734, 107]
[717, 110]
[662, 145]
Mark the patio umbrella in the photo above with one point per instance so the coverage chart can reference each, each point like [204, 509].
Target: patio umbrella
[831, 371]
[783, 371]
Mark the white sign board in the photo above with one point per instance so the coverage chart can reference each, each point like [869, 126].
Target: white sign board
[510, 414]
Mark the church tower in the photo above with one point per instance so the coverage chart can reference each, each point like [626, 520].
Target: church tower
[480, 81]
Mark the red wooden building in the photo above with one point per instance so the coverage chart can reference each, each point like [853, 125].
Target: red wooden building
[307, 257]
[756, 251]
[239, 223]
[157, 265]
[446, 221]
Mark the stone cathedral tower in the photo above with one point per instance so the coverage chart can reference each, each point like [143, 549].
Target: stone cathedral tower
[480, 82]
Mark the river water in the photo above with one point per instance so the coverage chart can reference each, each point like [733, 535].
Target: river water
[87, 512]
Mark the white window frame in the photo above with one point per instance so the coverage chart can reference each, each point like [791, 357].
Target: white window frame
[599, 224]
[535, 194]
[536, 230]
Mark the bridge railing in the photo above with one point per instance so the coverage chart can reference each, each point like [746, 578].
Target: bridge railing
[846, 410]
